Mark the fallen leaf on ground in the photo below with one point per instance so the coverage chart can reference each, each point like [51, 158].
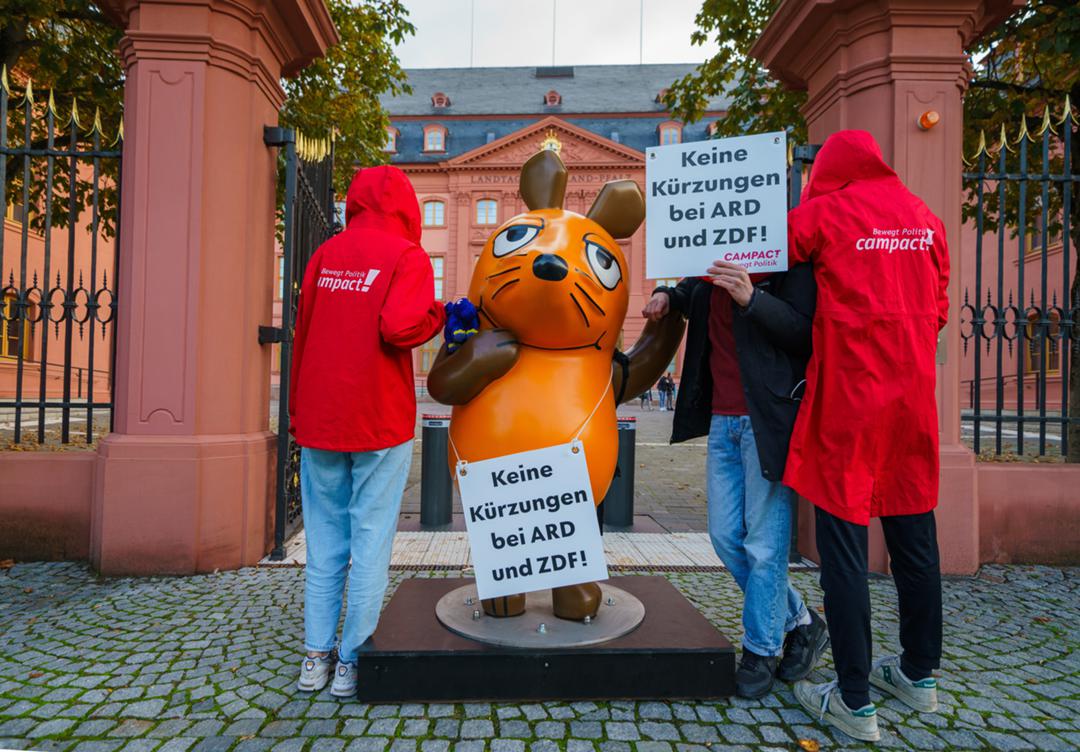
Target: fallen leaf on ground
[7, 563]
[28, 589]
[809, 745]
[36, 674]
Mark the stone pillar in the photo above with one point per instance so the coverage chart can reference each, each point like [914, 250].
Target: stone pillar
[878, 65]
[185, 482]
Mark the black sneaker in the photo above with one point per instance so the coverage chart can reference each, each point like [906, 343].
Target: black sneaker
[755, 675]
[803, 647]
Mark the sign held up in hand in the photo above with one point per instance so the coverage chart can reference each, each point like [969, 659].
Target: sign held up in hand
[531, 521]
[720, 199]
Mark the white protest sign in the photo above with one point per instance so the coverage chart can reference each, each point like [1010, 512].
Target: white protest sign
[531, 521]
[720, 199]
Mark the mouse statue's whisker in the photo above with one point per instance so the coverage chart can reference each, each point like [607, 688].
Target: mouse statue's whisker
[590, 299]
[580, 309]
[504, 285]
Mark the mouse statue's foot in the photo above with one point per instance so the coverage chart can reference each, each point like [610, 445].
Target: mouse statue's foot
[507, 605]
[575, 602]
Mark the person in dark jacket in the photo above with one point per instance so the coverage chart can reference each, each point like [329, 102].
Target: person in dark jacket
[742, 379]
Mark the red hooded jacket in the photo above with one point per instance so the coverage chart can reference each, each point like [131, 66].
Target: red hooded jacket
[367, 299]
[865, 442]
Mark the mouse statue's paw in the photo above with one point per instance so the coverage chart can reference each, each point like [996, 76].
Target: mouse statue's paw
[575, 602]
[508, 605]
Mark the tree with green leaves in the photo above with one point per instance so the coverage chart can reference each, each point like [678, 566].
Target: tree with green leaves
[70, 46]
[1027, 64]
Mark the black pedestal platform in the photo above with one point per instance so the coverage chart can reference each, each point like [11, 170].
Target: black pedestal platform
[674, 653]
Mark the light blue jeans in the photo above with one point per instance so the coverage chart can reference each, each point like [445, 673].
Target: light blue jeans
[351, 502]
[750, 528]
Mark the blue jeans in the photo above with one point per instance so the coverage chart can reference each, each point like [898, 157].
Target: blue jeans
[750, 527]
[351, 502]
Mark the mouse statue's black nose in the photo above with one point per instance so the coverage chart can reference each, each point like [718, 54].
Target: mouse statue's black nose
[550, 267]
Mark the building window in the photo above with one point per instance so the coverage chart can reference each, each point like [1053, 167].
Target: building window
[9, 330]
[670, 133]
[434, 214]
[552, 99]
[440, 101]
[434, 138]
[487, 211]
[490, 137]
[1051, 347]
[616, 137]
[391, 140]
[428, 351]
[437, 267]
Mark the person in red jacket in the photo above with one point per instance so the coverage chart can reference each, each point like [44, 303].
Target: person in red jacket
[865, 442]
[367, 299]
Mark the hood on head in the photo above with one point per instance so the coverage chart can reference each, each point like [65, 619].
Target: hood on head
[846, 156]
[383, 197]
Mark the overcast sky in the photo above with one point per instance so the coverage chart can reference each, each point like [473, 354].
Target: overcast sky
[519, 32]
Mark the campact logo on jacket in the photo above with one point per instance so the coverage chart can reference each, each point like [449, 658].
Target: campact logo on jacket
[897, 239]
[346, 279]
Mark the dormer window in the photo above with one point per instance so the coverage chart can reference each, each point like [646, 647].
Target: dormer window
[391, 140]
[552, 99]
[670, 133]
[434, 138]
[440, 101]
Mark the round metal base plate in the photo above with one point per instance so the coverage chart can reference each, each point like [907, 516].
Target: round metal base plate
[620, 613]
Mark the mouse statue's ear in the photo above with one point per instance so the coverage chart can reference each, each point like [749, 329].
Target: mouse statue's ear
[543, 181]
[619, 208]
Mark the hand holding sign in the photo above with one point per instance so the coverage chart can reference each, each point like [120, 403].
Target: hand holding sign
[734, 279]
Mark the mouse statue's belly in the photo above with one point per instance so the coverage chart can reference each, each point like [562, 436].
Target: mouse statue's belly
[544, 400]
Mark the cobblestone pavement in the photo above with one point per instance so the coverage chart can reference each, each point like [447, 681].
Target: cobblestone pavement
[669, 479]
[208, 664]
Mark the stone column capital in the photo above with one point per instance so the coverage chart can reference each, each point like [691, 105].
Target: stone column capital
[260, 41]
[808, 40]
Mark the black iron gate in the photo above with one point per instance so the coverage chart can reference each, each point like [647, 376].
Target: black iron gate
[800, 159]
[1019, 324]
[308, 219]
[60, 178]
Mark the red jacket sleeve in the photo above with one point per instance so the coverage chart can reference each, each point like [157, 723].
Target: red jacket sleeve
[304, 308]
[941, 257]
[410, 315]
[800, 244]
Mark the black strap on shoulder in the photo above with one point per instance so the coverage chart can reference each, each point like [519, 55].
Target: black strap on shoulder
[623, 361]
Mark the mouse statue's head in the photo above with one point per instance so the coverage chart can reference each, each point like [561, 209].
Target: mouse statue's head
[555, 279]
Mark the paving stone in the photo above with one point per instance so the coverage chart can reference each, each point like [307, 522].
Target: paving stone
[514, 729]
[214, 744]
[550, 730]
[619, 731]
[51, 728]
[434, 745]
[368, 744]
[441, 710]
[97, 746]
[447, 727]
[653, 747]
[415, 727]
[147, 744]
[507, 745]
[477, 729]
[319, 727]
[384, 727]
[544, 745]
[145, 708]
[327, 745]
[586, 729]
[177, 744]
[295, 744]
[253, 745]
[659, 731]
[614, 746]
[472, 745]
[696, 732]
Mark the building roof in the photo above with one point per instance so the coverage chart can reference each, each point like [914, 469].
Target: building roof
[520, 91]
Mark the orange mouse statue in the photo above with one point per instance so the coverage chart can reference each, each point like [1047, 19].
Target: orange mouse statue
[550, 288]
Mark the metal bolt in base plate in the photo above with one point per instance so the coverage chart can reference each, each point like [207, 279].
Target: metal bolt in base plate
[612, 621]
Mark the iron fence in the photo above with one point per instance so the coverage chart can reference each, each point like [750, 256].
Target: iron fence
[307, 220]
[60, 180]
[1019, 321]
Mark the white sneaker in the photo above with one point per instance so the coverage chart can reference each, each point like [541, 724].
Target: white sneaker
[314, 673]
[344, 680]
[825, 701]
[918, 695]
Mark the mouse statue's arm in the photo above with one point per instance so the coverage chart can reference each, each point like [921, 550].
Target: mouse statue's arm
[646, 361]
[456, 377]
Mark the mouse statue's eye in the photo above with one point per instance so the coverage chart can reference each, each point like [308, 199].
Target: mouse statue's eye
[603, 264]
[513, 238]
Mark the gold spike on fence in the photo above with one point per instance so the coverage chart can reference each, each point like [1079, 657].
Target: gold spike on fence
[313, 149]
[1047, 124]
[26, 97]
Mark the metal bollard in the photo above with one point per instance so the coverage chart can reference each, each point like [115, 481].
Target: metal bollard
[436, 489]
[618, 503]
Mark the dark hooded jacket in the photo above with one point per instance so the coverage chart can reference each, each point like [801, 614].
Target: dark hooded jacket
[772, 344]
[367, 299]
[866, 439]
